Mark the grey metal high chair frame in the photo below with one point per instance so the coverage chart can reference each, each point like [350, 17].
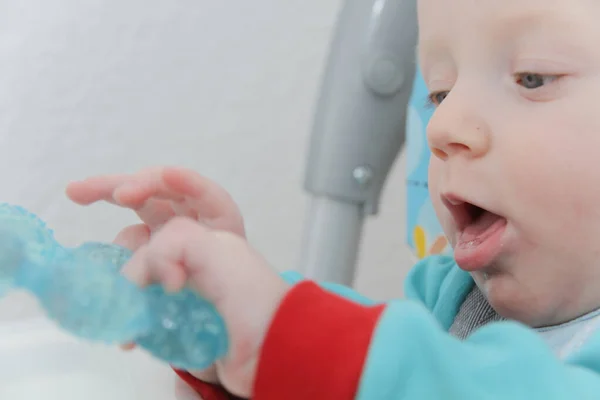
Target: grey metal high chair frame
[359, 129]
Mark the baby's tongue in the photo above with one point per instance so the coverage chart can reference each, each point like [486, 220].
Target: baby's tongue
[478, 229]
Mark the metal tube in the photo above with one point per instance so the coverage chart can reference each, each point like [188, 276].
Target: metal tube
[332, 240]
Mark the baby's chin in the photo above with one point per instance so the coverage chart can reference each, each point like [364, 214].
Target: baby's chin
[514, 301]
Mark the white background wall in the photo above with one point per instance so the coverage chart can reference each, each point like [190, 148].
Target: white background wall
[224, 87]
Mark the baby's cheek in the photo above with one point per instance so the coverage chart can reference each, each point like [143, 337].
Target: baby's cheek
[552, 201]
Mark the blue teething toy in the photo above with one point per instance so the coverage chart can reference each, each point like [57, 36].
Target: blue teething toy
[82, 290]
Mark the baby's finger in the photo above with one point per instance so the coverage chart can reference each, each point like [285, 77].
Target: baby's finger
[211, 200]
[183, 248]
[102, 187]
[151, 183]
[133, 237]
[152, 264]
[136, 273]
[155, 213]
[208, 196]
[136, 269]
[98, 188]
[137, 191]
[178, 191]
[177, 185]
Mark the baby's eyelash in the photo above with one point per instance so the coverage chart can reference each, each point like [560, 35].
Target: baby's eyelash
[533, 80]
[431, 99]
[530, 81]
[428, 102]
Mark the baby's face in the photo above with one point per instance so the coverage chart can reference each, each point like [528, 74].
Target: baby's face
[516, 132]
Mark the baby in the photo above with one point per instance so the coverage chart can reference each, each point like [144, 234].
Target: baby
[514, 180]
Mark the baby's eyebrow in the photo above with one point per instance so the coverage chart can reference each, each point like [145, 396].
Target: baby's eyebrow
[564, 33]
[429, 48]
[531, 20]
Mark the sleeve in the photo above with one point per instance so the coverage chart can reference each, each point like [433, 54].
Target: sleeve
[428, 278]
[215, 392]
[323, 346]
[315, 347]
[206, 391]
[293, 278]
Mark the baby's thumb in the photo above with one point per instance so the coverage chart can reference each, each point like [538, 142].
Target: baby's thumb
[132, 238]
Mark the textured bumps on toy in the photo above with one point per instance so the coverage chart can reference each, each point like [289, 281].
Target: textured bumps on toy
[83, 291]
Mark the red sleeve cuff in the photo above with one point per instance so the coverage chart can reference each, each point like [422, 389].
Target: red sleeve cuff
[316, 346]
[206, 390]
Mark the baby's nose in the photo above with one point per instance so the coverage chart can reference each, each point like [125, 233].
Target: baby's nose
[447, 143]
[455, 130]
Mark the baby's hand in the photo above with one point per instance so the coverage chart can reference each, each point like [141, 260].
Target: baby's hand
[159, 194]
[226, 271]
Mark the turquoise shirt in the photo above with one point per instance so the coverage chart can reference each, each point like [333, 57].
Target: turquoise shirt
[412, 356]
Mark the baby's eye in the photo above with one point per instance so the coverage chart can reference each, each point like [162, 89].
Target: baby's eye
[436, 98]
[532, 81]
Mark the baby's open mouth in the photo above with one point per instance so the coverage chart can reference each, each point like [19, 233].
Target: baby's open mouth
[480, 221]
[473, 222]
[478, 233]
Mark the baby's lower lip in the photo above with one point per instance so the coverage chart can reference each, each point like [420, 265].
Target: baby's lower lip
[475, 248]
